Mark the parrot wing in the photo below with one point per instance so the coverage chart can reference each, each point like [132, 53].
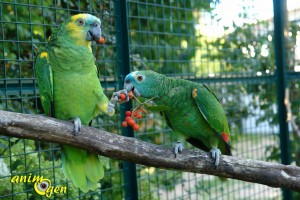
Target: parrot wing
[193, 141]
[44, 78]
[212, 111]
[163, 114]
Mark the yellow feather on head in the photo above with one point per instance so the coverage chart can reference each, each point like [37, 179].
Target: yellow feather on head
[78, 26]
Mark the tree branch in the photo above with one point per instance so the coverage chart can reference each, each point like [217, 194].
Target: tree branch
[130, 149]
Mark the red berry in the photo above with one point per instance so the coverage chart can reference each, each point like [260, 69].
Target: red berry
[134, 114]
[135, 127]
[124, 124]
[122, 97]
[131, 122]
[139, 116]
[101, 40]
[128, 118]
[128, 113]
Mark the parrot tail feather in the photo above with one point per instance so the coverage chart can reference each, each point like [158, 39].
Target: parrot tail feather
[84, 169]
[228, 150]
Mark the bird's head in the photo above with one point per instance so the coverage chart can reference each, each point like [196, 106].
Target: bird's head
[144, 83]
[83, 28]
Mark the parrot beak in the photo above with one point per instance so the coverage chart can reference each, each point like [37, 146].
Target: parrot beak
[130, 88]
[128, 85]
[94, 33]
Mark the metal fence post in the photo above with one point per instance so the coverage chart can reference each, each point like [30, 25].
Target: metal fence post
[131, 189]
[280, 53]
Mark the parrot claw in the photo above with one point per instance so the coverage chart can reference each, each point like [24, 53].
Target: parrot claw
[116, 97]
[77, 125]
[216, 153]
[178, 148]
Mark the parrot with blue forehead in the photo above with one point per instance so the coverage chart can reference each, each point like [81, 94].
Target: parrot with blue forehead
[69, 89]
[190, 109]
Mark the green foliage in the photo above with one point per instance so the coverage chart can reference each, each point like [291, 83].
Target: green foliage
[162, 39]
[23, 158]
[294, 95]
[28, 157]
[250, 51]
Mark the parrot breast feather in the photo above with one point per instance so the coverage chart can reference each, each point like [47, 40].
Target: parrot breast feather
[45, 82]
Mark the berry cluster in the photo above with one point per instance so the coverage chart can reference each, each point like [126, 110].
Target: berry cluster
[130, 121]
[136, 113]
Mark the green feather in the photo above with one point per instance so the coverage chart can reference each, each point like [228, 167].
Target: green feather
[94, 168]
[83, 168]
[156, 108]
[74, 165]
[45, 80]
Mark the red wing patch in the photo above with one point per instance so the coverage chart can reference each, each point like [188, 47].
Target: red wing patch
[225, 137]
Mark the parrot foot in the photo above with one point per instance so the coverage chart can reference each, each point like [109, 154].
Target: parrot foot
[178, 148]
[77, 125]
[116, 97]
[216, 153]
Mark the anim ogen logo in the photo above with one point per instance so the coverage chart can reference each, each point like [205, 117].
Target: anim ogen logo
[42, 185]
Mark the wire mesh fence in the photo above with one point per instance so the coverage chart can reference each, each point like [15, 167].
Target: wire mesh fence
[231, 51]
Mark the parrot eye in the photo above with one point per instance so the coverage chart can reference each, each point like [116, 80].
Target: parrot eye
[80, 22]
[140, 78]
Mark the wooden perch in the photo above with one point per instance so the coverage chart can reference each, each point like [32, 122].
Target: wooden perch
[130, 149]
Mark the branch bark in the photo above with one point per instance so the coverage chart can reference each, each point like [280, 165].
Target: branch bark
[130, 149]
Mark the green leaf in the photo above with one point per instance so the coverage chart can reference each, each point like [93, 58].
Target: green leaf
[14, 141]
[2, 146]
[16, 164]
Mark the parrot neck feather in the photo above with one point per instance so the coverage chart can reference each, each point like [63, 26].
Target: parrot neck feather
[168, 88]
[67, 55]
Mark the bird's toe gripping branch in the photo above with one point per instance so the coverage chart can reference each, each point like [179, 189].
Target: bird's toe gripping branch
[77, 125]
[119, 97]
[215, 154]
[178, 148]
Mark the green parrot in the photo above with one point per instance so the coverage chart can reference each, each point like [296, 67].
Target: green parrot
[190, 109]
[69, 89]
